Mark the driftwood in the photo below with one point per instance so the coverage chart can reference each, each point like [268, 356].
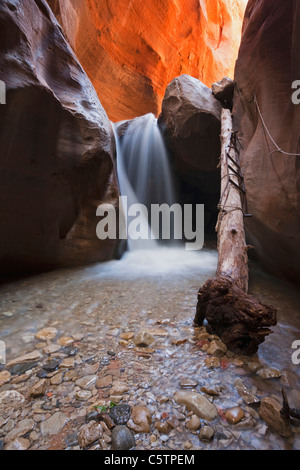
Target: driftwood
[241, 321]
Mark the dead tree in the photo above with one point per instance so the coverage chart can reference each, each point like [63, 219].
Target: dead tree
[239, 319]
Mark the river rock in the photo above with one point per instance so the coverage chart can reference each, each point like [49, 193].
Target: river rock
[269, 373]
[188, 383]
[39, 389]
[143, 339]
[54, 424]
[140, 419]
[31, 357]
[194, 423]
[197, 403]
[18, 444]
[23, 427]
[217, 348]
[5, 377]
[11, 399]
[120, 414]
[270, 412]
[104, 382]
[89, 433]
[247, 395]
[206, 434]
[118, 388]
[234, 415]
[46, 334]
[87, 382]
[122, 438]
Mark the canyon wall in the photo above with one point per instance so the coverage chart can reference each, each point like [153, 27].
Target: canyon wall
[56, 147]
[267, 65]
[131, 50]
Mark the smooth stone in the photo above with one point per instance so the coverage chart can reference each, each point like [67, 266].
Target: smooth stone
[54, 424]
[188, 383]
[234, 415]
[217, 348]
[57, 379]
[212, 362]
[52, 365]
[118, 388]
[120, 414]
[46, 334]
[18, 444]
[39, 389]
[269, 373]
[5, 377]
[206, 433]
[127, 336]
[65, 341]
[194, 423]
[104, 382]
[270, 412]
[140, 419]
[11, 399]
[67, 363]
[122, 438]
[33, 356]
[22, 428]
[143, 339]
[244, 393]
[197, 403]
[86, 382]
[89, 433]
[83, 395]
[19, 369]
[51, 348]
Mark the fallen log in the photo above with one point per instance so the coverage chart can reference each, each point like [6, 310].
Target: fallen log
[239, 319]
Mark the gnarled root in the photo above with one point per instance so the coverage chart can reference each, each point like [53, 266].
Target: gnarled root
[239, 319]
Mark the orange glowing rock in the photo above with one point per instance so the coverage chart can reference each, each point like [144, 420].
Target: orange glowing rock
[132, 50]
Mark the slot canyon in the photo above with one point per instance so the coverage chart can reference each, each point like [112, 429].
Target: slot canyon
[150, 227]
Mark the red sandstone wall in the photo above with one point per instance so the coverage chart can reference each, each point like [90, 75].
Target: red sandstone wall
[132, 49]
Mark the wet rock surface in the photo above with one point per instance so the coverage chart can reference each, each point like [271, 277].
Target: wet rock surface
[101, 393]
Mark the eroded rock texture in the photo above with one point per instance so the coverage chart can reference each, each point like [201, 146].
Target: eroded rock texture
[267, 65]
[191, 124]
[132, 50]
[56, 146]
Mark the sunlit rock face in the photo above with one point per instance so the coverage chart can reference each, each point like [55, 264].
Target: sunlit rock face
[267, 65]
[132, 50]
[56, 147]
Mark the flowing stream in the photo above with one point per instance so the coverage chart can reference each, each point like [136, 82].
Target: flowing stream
[153, 288]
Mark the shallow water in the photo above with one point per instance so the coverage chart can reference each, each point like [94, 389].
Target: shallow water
[140, 291]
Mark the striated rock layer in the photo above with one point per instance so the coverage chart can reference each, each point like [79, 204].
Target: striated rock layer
[56, 146]
[266, 67]
[131, 50]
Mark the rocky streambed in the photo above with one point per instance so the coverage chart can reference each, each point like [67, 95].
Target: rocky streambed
[107, 357]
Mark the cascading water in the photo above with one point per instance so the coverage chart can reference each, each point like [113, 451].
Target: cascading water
[143, 170]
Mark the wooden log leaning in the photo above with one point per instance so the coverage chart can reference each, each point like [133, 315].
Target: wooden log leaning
[239, 319]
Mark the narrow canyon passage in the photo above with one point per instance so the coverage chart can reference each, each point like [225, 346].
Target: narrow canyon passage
[89, 359]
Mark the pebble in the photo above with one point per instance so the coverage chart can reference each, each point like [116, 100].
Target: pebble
[197, 403]
[5, 377]
[188, 383]
[234, 415]
[206, 434]
[46, 334]
[122, 438]
[87, 382]
[23, 427]
[31, 357]
[270, 412]
[18, 444]
[269, 373]
[194, 423]
[217, 348]
[39, 389]
[140, 419]
[120, 414]
[65, 341]
[11, 399]
[143, 339]
[89, 433]
[83, 395]
[118, 388]
[104, 382]
[247, 395]
[54, 424]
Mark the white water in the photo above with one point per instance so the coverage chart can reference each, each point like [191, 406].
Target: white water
[143, 170]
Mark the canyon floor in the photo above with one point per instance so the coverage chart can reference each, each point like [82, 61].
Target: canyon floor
[72, 358]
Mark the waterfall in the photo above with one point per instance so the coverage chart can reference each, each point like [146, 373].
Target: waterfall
[143, 171]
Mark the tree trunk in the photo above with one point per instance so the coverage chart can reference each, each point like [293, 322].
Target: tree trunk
[239, 319]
